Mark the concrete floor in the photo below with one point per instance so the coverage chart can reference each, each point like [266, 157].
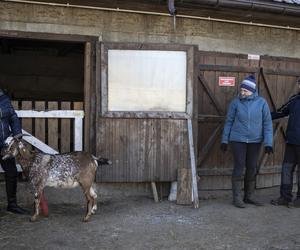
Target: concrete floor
[139, 223]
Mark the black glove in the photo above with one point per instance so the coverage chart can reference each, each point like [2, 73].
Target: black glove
[224, 147]
[268, 150]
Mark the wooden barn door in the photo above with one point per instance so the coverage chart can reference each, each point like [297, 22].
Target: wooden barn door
[277, 83]
[275, 80]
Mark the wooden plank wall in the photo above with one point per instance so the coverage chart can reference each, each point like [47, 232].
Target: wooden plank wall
[215, 170]
[57, 133]
[142, 149]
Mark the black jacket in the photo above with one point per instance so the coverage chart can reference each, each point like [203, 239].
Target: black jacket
[9, 121]
[291, 109]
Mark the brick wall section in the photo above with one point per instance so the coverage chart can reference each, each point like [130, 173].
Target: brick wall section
[127, 27]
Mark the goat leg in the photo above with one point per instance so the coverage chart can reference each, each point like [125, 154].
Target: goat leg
[89, 200]
[94, 197]
[36, 207]
[89, 209]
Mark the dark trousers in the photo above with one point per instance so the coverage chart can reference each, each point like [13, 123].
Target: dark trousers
[291, 159]
[245, 155]
[11, 175]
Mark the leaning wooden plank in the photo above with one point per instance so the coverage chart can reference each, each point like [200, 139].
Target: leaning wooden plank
[38, 143]
[154, 190]
[193, 164]
[184, 188]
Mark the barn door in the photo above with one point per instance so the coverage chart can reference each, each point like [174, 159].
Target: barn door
[214, 167]
[277, 84]
[275, 80]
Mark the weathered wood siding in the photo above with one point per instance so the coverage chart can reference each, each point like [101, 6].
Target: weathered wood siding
[142, 149]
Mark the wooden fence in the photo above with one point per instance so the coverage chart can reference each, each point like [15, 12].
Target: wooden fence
[58, 133]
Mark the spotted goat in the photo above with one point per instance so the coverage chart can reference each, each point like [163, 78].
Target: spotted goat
[62, 170]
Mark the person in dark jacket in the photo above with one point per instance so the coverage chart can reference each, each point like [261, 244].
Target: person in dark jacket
[247, 126]
[292, 150]
[9, 124]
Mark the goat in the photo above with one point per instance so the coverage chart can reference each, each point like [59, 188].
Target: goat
[62, 170]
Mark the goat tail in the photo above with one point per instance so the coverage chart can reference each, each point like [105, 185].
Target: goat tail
[101, 161]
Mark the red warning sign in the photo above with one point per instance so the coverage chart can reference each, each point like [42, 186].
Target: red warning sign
[226, 81]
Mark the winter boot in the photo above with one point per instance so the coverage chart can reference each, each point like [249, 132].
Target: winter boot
[249, 187]
[11, 190]
[236, 192]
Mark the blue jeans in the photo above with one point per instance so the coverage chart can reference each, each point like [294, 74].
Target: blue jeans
[291, 159]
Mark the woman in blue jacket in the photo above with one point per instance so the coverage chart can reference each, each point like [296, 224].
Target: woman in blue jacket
[247, 126]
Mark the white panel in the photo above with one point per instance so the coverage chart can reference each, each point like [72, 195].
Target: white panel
[146, 80]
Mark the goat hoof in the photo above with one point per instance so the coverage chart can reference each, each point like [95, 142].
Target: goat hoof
[33, 219]
[86, 219]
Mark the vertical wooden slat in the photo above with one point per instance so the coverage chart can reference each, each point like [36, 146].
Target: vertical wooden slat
[27, 122]
[65, 130]
[15, 104]
[78, 105]
[53, 127]
[87, 93]
[40, 123]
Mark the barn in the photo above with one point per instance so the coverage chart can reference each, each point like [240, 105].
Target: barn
[129, 75]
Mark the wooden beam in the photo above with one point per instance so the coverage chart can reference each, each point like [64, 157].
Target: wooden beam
[51, 114]
[210, 94]
[267, 88]
[265, 156]
[208, 146]
[184, 187]
[270, 95]
[154, 190]
[227, 68]
[87, 94]
[193, 165]
[211, 118]
[204, 153]
[46, 36]
[282, 72]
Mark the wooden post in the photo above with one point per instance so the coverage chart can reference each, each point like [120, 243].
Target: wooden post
[184, 186]
[154, 190]
[193, 165]
[87, 94]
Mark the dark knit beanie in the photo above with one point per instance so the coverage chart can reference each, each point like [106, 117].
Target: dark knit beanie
[249, 83]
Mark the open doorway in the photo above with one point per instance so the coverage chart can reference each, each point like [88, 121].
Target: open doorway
[44, 75]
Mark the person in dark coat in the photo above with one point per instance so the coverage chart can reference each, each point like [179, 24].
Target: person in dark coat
[9, 124]
[247, 126]
[292, 150]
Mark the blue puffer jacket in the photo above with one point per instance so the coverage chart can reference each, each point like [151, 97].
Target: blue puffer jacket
[291, 109]
[248, 120]
[9, 121]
